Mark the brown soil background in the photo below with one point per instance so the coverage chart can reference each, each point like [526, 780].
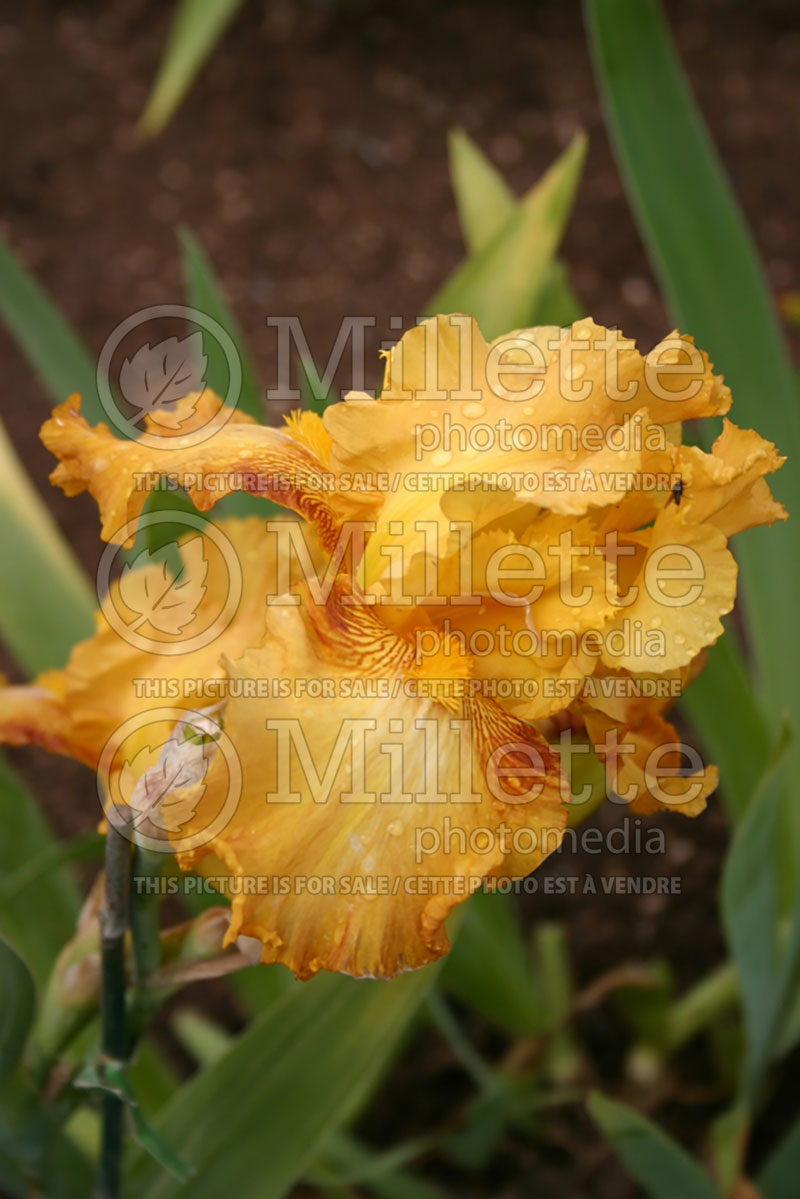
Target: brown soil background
[310, 161]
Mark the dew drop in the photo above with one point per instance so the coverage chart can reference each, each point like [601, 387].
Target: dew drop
[441, 458]
[473, 410]
[395, 828]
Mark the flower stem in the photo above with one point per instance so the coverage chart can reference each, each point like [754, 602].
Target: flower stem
[145, 937]
[113, 926]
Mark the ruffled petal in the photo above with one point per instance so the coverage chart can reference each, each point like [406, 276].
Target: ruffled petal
[108, 679]
[682, 579]
[38, 715]
[359, 870]
[571, 420]
[648, 765]
[530, 613]
[240, 456]
[726, 488]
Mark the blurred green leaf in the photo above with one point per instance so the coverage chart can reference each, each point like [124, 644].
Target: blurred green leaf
[445, 1022]
[204, 292]
[50, 604]
[551, 968]
[501, 284]
[344, 1163]
[51, 855]
[111, 1078]
[36, 1157]
[646, 1009]
[17, 1007]
[261, 986]
[587, 779]
[485, 204]
[55, 352]
[486, 1121]
[728, 1135]
[702, 1005]
[660, 1164]
[766, 957]
[484, 200]
[705, 259]
[161, 538]
[202, 1038]
[253, 1120]
[721, 705]
[39, 918]
[152, 1078]
[488, 967]
[557, 303]
[778, 1177]
[196, 28]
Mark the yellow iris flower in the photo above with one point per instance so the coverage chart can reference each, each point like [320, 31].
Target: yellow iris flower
[509, 541]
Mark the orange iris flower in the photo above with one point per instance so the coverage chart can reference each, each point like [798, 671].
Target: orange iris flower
[511, 540]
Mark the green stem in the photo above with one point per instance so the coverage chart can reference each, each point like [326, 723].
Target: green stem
[145, 936]
[113, 926]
